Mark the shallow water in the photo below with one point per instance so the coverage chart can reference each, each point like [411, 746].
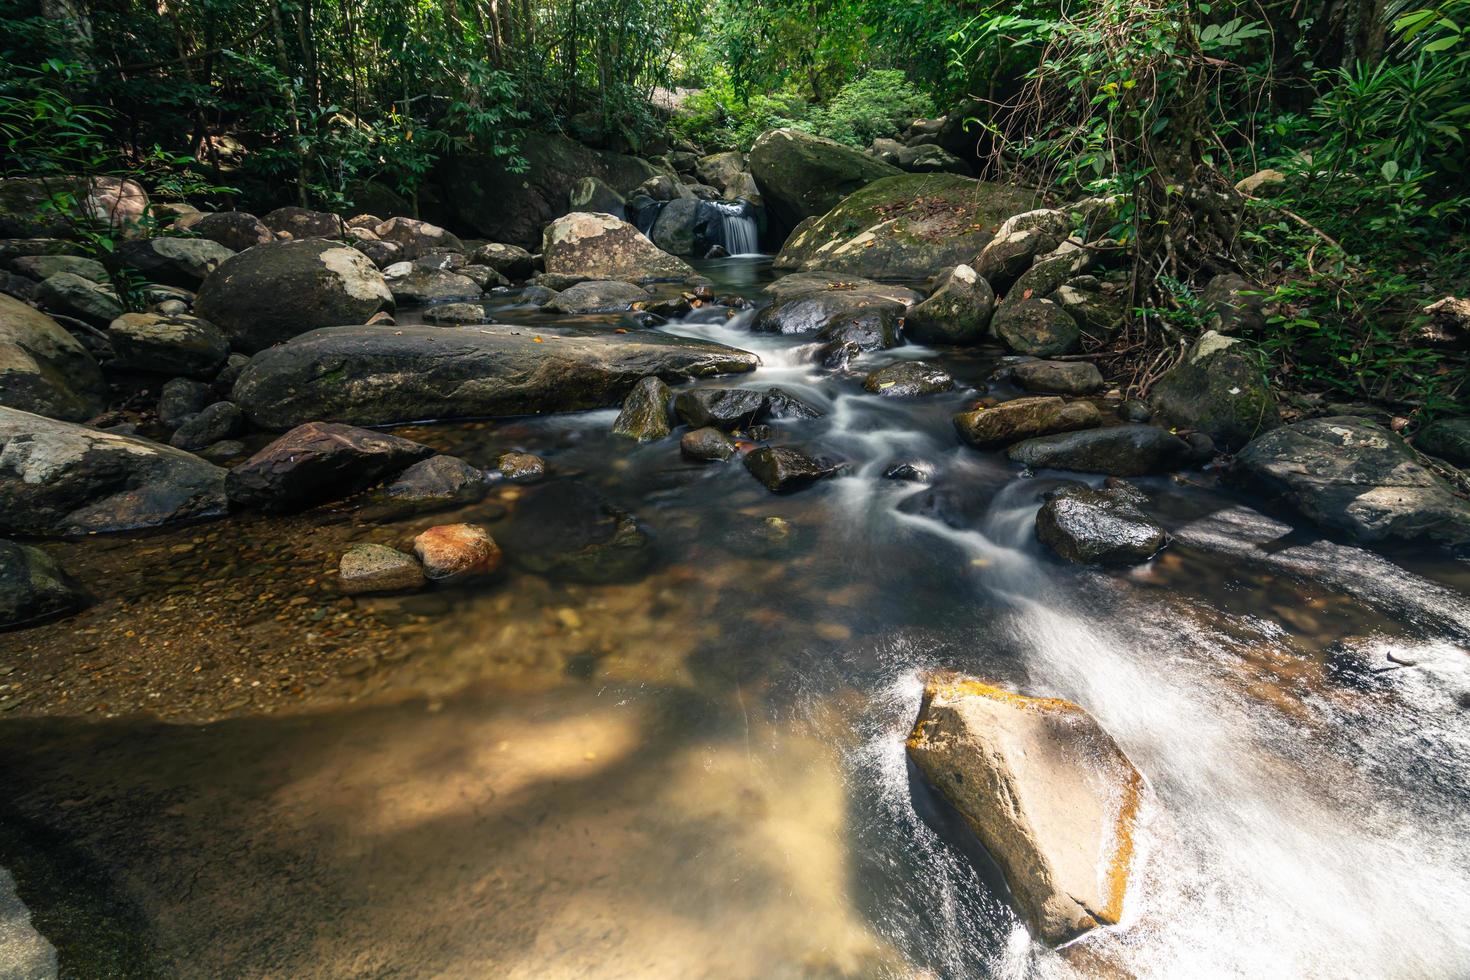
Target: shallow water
[701, 773]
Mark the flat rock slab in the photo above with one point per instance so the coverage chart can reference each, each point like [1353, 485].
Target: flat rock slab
[24, 953]
[380, 375]
[1044, 788]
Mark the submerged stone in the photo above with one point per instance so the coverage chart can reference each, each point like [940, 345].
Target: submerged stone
[33, 587]
[455, 552]
[377, 568]
[318, 462]
[566, 530]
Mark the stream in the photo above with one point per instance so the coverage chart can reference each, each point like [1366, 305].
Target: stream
[701, 773]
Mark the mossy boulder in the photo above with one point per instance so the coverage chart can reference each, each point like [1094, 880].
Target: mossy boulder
[908, 226]
[958, 313]
[1218, 389]
[801, 175]
[43, 369]
[1037, 327]
[271, 293]
[32, 587]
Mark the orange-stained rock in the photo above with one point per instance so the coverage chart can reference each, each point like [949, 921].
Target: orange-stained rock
[453, 552]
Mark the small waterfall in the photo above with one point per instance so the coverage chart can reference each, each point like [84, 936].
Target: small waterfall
[738, 232]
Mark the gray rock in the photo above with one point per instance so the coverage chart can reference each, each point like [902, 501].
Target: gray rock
[416, 285]
[958, 312]
[930, 159]
[1024, 418]
[1235, 304]
[645, 414]
[416, 238]
[215, 423]
[782, 404]
[32, 587]
[1120, 450]
[598, 296]
[235, 230]
[706, 445]
[271, 293]
[40, 267]
[1017, 242]
[1218, 389]
[1351, 475]
[805, 302]
[1104, 526]
[847, 335]
[521, 467]
[907, 379]
[57, 478]
[318, 462]
[720, 408]
[484, 276]
[184, 262]
[1100, 308]
[720, 170]
[456, 314]
[436, 483]
[1058, 377]
[801, 175]
[1037, 327]
[17, 286]
[43, 369]
[371, 376]
[24, 953]
[1449, 439]
[71, 295]
[593, 194]
[511, 261]
[303, 223]
[172, 345]
[603, 246]
[180, 399]
[785, 470]
[378, 568]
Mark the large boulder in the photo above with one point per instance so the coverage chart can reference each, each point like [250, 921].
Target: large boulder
[184, 262]
[801, 175]
[1046, 790]
[592, 194]
[513, 208]
[271, 293]
[805, 302]
[510, 261]
[957, 313]
[32, 587]
[1348, 474]
[302, 223]
[317, 462]
[603, 246]
[415, 238]
[235, 230]
[1024, 418]
[1104, 526]
[168, 345]
[26, 209]
[908, 226]
[57, 478]
[372, 376]
[568, 531]
[1120, 450]
[415, 285]
[1218, 389]
[720, 408]
[43, 369]
[720, 170]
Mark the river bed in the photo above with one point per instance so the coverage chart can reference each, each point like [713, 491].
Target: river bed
[224, 768]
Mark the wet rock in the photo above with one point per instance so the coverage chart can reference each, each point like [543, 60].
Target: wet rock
[43, 369]
[39, 267]
[414, 284]
[1449, 439]
[801, 175]
[1106, 526]
[415, 238]
[483, 276]
[846, 335]
[602, 246]
[303, 223]
[235, 230]
[908, 471]
[720, 408]
[785, 470]
[33, 587]
[1351, 475]
[1134, 410]
[598, 296]
[1017, 242]
[1024, 418]
[456, 314]
[645, 414]
[378, 568]
[720, 170]
[1037, 327]
[181, 399]
[71, 295]
[706, 445]
[317, 462]
[1235, 304]
[1058, 377]
[58, 478]
[184, 262]
[1046, 790]
[908, 226]
[907, 379]
[436, 483]
[958, 312]
[1218, 389]
[521, 467]
[511, 261]
[214, 423]
[456, 552]
[172, 345]
[1120, 450]
[372, 376]
[568, 531]
[271, 293]
[782, 404]
[806, 302]
[760, 537]
[1100, 308]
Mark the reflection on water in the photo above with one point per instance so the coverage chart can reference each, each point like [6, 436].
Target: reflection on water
[701, 773]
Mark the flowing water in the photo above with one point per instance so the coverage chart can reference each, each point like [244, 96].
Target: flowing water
[701, 773]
